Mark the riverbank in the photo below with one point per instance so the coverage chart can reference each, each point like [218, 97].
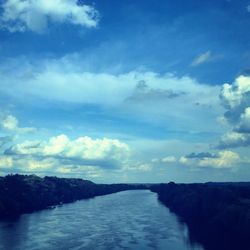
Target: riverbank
[28, 193]
[217, 214]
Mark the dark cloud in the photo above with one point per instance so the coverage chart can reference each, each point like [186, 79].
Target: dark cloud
[200, 155]
[243, 129]
[8, 151]
[143, 92]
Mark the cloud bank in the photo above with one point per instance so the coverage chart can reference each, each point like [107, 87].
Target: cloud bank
[61, 155]
[84, 148]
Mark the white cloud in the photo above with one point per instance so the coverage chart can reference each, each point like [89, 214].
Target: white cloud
[6, 162]
[203, 58]
[35, 15]
[184, 160]
[236, 99]
[11, 124]
[32, 164]
[59, 155]
[234, 139]
[138, 166]
[50, 81]
[169, 159]
[82, 148]
[224, 159]
[49, 165]
[155, 160]
[144, 167]
[236, 94]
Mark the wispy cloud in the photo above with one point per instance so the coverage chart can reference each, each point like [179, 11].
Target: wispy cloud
[248, 8]
[202, 58]
[128, 92]
[166, 159]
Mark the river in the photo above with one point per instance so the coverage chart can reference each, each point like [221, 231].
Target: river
[125, 220]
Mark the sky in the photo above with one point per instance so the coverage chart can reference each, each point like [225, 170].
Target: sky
[125, 91]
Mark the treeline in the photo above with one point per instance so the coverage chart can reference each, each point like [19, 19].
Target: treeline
[27, 193]
[217, 214]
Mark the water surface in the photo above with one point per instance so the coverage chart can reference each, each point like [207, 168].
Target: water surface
[125, 220]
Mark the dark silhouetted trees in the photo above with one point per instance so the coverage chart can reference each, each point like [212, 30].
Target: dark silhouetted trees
[28, 193]
[217, 214]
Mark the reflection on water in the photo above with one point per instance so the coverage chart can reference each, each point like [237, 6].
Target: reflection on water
[125, 220]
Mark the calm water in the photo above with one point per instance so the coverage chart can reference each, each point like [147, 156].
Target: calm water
[125, 220]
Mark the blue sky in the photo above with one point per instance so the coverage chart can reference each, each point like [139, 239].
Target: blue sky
[125, 91]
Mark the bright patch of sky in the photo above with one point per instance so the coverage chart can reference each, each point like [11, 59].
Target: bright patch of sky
[125, 91]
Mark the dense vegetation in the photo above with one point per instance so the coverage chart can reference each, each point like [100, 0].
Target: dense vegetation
[28, 193]
[217, 214]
